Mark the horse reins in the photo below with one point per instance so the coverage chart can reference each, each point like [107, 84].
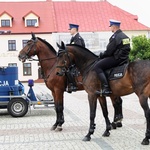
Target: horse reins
[65, 62]
[31, 59]
[86, 69]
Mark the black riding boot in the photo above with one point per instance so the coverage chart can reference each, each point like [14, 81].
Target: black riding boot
[105, 91]
[72, 86]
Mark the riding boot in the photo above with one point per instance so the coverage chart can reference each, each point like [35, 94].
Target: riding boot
[71, 83]
[105, 89]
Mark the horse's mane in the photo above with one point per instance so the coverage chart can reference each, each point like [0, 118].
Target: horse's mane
[48, 44]
[84, 49]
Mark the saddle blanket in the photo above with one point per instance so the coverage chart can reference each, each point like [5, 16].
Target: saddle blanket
[117, 72]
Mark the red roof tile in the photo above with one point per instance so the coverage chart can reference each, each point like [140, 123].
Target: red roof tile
[93, 16]
[32, 13]
[56, 16]
[19, 9]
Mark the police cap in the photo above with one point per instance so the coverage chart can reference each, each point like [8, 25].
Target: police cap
[73, 26]
[114, 22]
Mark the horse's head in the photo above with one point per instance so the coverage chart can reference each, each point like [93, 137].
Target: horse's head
[29, 50]
[65, 59]
[74, 54]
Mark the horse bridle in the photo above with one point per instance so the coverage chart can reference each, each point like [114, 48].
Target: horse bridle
[30, 48]
[64, 68]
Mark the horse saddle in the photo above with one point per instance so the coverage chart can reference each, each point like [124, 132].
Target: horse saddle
[116, 72]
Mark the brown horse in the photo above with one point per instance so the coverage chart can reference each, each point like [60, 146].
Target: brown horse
[47, 57]
[136, 79]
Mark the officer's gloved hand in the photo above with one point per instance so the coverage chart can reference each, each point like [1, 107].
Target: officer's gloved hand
[101, 55]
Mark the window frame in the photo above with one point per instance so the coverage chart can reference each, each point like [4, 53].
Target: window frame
[27, 70]
[12, 64]
[5, 23]
[24, 43]
[11, 45]
[31, 22]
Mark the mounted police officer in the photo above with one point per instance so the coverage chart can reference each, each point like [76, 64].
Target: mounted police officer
[78, 40]
[117, 52]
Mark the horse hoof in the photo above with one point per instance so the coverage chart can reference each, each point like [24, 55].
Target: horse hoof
[86, 138]
[106, 133]
[59, 128]
[145, 142]
[119, 124]
[113, 125]
[53, 128]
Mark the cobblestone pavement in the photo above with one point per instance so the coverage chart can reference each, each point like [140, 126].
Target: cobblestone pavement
[32, 132]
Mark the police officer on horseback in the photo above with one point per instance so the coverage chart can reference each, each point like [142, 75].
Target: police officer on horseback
[116, 53]
[78, 40]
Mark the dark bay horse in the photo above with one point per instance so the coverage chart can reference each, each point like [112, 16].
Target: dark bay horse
[136, 79]
[47, 57]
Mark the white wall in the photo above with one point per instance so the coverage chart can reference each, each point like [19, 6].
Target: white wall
[7, 57]
[95, 41]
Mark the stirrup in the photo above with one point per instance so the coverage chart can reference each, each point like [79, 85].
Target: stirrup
[72, 88]
[104, 92]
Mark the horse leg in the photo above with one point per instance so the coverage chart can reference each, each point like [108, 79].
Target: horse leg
[118, 115]
[93, 105]
[59, 112]
[147, 134]
[60, 116]
[144, 103]
[103, 104]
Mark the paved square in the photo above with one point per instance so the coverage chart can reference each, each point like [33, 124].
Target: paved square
[32, 132]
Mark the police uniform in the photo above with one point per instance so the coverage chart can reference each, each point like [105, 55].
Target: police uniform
[118, 46]
[76, 39]
[117, 51]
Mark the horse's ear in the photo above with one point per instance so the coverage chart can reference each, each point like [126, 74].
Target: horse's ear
[33, 36]
[58, 45]
[62, 45]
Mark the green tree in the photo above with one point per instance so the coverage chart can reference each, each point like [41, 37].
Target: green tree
[140, 48]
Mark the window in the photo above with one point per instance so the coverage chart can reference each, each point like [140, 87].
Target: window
[5, 23]
[24, 43]
[11, 45]
[31, 22]
[26, 69]
[12, 64]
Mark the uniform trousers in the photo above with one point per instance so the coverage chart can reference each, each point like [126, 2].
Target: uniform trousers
[106, 63]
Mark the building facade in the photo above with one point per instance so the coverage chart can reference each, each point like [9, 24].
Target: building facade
[45, 20]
